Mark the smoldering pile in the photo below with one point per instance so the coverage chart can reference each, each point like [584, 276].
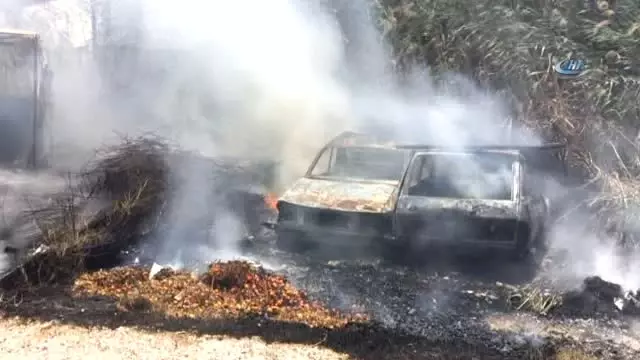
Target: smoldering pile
[595, 298]
[598, 296]
[121, 199]
[234, 289]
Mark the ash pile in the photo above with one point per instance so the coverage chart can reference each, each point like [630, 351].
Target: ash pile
[600, 297]
[131, 194]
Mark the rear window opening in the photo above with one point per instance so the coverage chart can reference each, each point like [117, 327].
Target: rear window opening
[488, 176]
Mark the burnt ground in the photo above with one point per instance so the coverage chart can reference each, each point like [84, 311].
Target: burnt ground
[440, 309]
[444, 309]
[453, 298]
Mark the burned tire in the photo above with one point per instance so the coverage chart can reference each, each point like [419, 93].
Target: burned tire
[539, 246]
[292, 241]
[531, 250]
[524, 244]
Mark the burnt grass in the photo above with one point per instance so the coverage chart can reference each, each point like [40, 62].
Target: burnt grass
[435, 312]
[360, 340]
[397, 329]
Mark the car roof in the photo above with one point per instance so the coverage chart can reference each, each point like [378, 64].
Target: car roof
[464, 151]
[348, 138]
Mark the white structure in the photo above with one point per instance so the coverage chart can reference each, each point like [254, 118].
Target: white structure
[60, 23]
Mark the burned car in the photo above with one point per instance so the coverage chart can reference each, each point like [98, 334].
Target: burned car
[359, 191]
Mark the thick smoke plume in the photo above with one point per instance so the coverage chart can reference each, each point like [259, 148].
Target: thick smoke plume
[276, 80]
[248, 78]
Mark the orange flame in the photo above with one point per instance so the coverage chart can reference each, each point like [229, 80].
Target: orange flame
[271, 201]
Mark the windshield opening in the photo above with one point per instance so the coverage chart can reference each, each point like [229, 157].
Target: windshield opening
[367, 163]
[463, 176]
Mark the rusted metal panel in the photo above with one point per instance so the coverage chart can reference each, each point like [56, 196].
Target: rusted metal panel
[474, 207]
[374, 197]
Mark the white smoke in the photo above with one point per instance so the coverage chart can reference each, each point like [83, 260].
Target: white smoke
[276, 76]
[250, 78]
[246, 78]
[582, 252]
[280, 81]
[59, 23]
[272, 69]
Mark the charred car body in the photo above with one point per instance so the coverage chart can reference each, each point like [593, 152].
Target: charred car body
[358, 190]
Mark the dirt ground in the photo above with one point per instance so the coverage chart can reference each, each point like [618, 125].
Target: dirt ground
[52, 323]
[53, 340]
[128, 315]
[62, 322]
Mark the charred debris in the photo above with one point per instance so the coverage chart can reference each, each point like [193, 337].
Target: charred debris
[123, 199]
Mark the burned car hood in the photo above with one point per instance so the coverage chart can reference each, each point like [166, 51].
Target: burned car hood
[345, 195]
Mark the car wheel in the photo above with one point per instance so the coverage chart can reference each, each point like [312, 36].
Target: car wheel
[540, 246]
[532, 251]
[292, 241]
[523, 247]
[521, 254]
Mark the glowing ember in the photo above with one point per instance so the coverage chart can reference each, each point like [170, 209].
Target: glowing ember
[271, 201]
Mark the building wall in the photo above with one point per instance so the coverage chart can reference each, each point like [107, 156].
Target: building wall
[16, 134]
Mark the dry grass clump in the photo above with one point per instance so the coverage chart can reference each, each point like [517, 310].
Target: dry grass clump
[573, 354]
[122, 197]
[596, 296]
[233, 289]
[558, 352]
[105, 209]
[127, 185]
[613, 210]
[133, 175]
[534, 299]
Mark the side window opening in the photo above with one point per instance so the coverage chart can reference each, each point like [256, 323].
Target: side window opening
[431, 180]
[463, 176]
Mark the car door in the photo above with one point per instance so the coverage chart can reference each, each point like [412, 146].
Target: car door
[414, 218]
[431, 214]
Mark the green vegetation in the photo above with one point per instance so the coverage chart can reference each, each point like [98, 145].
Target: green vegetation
[511, 46]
